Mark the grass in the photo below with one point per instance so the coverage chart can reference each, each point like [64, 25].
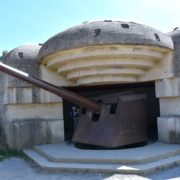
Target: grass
[10, 153]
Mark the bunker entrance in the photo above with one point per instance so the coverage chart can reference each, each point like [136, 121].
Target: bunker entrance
[152, 109]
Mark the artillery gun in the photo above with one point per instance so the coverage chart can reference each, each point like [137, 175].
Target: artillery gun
[110, 121]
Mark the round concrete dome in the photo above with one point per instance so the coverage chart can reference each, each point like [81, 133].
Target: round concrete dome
[23, 52]
[105, 32]
[175, 35]
[107, 52]
[23, 58]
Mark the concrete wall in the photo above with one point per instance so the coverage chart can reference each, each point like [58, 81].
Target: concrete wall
[168, 92]
[29, 120]
[109, 64]
[30, 115]
[32, 124]
[1, 98]
[2, 130]
[51, 77]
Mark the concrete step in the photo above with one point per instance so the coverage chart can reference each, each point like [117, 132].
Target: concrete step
[70, 154]
[143, 168]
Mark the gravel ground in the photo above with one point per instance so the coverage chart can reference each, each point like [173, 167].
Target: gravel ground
[20, 169]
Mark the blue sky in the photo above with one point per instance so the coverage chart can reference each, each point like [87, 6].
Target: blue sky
[34, 21]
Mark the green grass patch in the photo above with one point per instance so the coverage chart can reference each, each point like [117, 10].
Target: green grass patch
[10, 153]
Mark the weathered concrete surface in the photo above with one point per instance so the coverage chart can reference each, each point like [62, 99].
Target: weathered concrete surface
[55, 131]
[169, 129]
[140, 160]
[16, 169]
[51, 77]
[169, 120]
[168, 91]
[99, 52]
[30, 124]
[23, 58]
[1, 98]
[175, 35]
[138, 155]
[31, 116]
[22, 134]
[109, 64]
[170, 106]
[105, 32]
[109, 52]
[34, 111]
[168, 87]
[2, 115]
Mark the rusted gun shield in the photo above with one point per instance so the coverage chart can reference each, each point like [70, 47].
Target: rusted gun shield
[122, 122]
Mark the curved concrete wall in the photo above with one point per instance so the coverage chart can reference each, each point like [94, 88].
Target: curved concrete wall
[30, 115]
[108, 64]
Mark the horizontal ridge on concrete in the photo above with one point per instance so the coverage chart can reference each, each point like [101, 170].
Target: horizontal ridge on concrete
[106, 168]
[69, 154]
[86, 65]
[139, 160]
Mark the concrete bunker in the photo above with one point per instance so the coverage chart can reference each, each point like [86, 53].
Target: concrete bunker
[94, 58]
[110, 53]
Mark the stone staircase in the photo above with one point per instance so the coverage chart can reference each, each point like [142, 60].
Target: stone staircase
[140, 160]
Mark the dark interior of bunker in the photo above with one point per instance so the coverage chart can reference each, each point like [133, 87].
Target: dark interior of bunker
[152, 107]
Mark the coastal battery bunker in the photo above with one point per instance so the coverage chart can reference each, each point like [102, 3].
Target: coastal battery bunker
[107, 61]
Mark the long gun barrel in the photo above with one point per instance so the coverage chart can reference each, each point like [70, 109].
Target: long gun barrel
[59, 91]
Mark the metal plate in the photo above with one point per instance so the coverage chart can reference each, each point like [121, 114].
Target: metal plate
[127, 126]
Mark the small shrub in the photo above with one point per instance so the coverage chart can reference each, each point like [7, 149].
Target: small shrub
[10, 153]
